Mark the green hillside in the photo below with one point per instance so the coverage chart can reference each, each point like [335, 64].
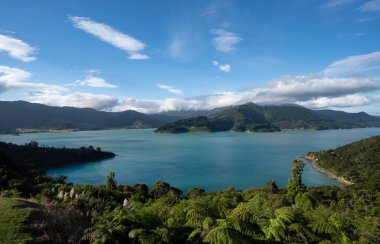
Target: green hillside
[25, 115]
[251, 117]
[358, 162]
[247, 117]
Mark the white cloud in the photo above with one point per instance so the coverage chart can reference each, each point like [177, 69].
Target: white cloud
[138, 56]
[296, 88]
[354, 64]
[370, 6]
[14, 78]
[222, 67]
[16, 48]
[225, 68]
[94, 81]
[77, 99]
[314, 92]
[335, 3]
[112, 36]
[338, 102]
[225, 41]
[170, 89]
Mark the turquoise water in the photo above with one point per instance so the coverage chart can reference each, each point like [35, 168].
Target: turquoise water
[210, 161]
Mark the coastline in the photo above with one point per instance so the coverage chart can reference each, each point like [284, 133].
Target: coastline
[331, 175]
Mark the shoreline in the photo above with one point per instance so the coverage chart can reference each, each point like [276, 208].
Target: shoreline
[331, 175]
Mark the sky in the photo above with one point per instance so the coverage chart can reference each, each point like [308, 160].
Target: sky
[155, 56]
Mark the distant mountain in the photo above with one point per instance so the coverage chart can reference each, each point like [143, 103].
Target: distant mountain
[247, 117]
[294, 117]
[25, 115]
[344, 116]
[184, 114]
[251, 117]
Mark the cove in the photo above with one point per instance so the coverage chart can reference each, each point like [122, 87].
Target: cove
[213, 161]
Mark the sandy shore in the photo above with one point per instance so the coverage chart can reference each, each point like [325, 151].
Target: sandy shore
[331, 175]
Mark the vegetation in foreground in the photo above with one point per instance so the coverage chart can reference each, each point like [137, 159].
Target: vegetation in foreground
[114, 213]
[13, 221]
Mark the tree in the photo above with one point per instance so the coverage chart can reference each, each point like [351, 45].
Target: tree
[111, 182]
[295, 185]
[271, 187]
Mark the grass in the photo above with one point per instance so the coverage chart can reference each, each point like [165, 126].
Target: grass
[14, 216]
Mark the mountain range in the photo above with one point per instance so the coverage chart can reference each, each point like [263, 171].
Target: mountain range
[21, 116]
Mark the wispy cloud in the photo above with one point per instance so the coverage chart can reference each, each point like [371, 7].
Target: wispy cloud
[225, 41]
[354, 64]
[17, 49]
[335, 3]
[370, 6]
[222, 67]
[112, 36]
[138, 56]
[170, 89]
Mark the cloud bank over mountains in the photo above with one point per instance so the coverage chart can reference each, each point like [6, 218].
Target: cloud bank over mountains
[322, 90]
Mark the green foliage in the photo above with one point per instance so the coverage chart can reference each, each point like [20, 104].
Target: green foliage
[358, 162]
[295, 185]
[163, 215]
[13, 221]
[111, 182]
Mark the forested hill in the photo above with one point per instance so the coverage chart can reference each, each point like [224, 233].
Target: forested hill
[25, 115]
[33, 156]
[358, 162]
[251, 117]
[247, 117]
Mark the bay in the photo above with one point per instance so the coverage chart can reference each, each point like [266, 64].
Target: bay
[213, 161]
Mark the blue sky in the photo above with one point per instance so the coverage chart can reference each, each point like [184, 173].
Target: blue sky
[154, 56]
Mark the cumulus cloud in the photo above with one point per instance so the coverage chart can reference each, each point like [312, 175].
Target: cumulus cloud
[225, 41]
[225, 68]
[222, 67]
[370, 6]
[342, 102]
[17, 79]
[354, 64]
[112, 36]
[14, 78]
[94, 81]
[77, 99]
[170, 89]
[17, 49]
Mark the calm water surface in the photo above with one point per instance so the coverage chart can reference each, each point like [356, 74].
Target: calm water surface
[210, 161]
